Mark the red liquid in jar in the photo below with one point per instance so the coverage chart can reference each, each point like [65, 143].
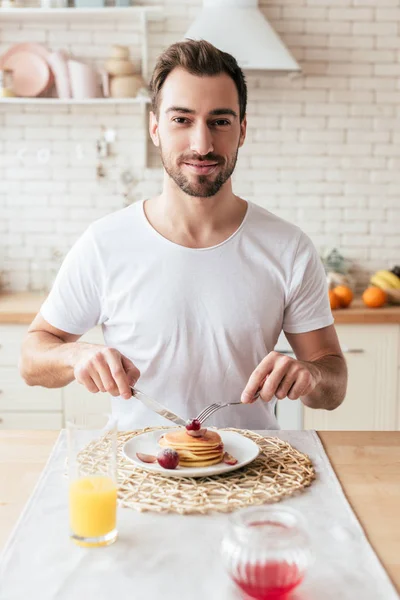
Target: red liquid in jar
[269, 581]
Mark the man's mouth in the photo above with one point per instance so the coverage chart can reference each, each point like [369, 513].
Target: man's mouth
[201, 168]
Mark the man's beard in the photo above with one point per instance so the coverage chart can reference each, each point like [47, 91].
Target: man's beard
[204, 186]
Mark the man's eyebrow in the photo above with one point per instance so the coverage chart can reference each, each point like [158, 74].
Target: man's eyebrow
[189, 111]
[180, 109]
[223, 111]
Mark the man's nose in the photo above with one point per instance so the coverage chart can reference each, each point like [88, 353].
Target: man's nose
[201, 140]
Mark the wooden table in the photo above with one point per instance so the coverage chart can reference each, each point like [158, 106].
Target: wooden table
[366, 463]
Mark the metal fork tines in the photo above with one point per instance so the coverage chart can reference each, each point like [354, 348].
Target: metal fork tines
[212, 408]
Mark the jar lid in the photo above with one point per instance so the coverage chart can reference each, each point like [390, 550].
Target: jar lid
[281, 526]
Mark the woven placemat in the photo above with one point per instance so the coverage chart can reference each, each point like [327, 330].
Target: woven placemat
[279, 471]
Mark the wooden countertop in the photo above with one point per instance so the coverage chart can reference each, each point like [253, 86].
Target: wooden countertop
[358, 313]
[22, 307]
[366, 463]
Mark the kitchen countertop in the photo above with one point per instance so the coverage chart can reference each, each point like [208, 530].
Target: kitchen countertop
[358, 313]
[366, 463]
[22, 307]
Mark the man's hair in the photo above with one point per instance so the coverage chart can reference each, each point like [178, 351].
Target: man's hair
[201, 58]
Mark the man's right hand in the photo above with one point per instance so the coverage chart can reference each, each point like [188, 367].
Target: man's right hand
[103, 369]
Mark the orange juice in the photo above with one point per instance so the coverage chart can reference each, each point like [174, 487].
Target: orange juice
[92, 506]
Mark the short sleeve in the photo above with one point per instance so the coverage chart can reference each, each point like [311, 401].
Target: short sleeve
[74, 303]
[307, 305]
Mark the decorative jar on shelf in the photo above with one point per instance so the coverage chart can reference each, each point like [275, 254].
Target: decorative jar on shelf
[6, 84]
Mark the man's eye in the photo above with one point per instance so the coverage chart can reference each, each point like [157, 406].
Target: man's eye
[180, 120]
[221, 122]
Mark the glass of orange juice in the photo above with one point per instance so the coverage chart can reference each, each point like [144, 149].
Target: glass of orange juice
[92, 471]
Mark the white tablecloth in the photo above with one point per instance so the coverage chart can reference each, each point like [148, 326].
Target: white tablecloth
[177, 557]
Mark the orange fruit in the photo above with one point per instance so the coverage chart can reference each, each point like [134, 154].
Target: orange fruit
[333, 299]
[344, 294]
[374, 297]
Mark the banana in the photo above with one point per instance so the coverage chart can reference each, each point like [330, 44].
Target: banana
[391, 279]
[380, 282]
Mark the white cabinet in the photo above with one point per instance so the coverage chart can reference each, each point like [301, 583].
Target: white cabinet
[372, 400]
[15, 395]
[34, 407]
[31, 420]
[10, 344]
[22, 406]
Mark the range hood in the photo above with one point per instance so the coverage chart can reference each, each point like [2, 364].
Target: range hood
[240, 28]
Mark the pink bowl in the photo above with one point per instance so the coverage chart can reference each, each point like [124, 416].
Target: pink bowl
[34, 47]
[31, 73]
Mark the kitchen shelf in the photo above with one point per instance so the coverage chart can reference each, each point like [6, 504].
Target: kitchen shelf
[139, 14]
[57, 101]
[121, 12]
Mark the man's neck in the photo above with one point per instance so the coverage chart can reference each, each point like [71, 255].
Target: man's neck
[196, 222]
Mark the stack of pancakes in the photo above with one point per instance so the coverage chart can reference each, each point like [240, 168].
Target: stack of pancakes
[194, 451]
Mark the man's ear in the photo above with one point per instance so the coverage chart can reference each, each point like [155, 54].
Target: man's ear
[153, 129]
[243, 128]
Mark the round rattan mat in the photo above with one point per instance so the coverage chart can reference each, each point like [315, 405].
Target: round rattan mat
[279, 471]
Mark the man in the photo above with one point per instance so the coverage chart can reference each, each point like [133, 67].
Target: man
[193, 287]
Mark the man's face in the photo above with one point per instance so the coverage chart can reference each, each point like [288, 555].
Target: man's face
[198, 131]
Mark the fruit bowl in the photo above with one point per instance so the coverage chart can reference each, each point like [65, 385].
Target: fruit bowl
[389, 281]
[393, 296]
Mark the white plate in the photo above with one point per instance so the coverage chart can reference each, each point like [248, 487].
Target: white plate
[241, 447]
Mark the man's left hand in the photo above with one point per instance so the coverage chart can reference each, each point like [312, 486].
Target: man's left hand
[281, 376]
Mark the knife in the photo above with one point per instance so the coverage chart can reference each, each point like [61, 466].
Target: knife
[156, 407]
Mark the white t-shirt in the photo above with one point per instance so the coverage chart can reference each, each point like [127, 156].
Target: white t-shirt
[196, 322]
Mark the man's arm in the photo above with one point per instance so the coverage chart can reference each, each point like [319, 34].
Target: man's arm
[53, 358]
[320, 349]
[318, 375]
[47, 355]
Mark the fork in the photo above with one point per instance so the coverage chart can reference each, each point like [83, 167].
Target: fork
[212, 408]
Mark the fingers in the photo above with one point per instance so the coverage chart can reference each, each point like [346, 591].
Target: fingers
[280, 376]
[119, 374]
[283, 388]
[257, 380]
[107, 370]
[90, 385]
[83, 376]
[293, 373]
[96, 378]
[131, 371]
[99, 370]
[302, 386]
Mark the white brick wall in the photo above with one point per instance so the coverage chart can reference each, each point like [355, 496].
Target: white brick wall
[322, 149]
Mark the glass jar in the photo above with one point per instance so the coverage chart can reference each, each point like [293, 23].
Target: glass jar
[6, 84]
[267, 551]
